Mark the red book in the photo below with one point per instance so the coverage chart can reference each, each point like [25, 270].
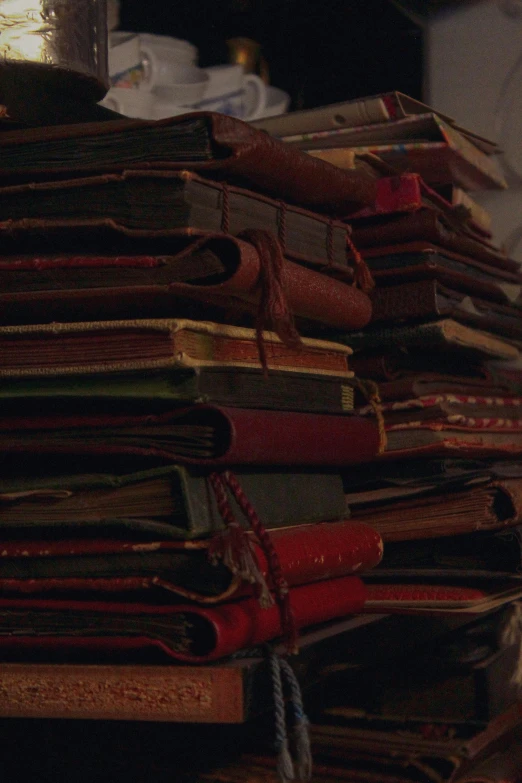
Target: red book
[202, 435]
[191, 633]
[307, 553]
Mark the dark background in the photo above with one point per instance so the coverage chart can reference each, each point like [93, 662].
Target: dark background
[320, 51]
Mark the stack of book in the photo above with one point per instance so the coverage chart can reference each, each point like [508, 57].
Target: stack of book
[443, 350]
[171, 446]
[445, 711]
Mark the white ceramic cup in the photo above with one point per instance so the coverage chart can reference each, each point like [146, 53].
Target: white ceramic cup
[186, 85]
[179, 82]
[183, 51]
[160, 55]
[130, 103]
[231, 91]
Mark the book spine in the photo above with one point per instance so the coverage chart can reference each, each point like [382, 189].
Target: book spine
[145, 693]
[192, 348]
[400, 302]
[253, 390]
[280, 499]
[369, 111]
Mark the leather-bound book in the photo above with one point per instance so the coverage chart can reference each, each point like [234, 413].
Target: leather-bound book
[106, 567]
[440, 335]
[245, 387]
[182, 203]
[204, 435]
[428, 299]
[495, 505]
[407, 262]
[186, 632]
[169, 502]
[219, 146]
[430, 226]
[219, 274]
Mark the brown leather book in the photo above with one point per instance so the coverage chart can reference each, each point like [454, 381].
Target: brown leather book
[429, 225]
[406, 262]
[213, 277]
[493, 506]
[219, 146]
[428, 299]
[179, 204]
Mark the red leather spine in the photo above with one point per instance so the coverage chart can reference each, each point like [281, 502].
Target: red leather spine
[307, 554]
[222, 630]
[245, 624]
[247, 437]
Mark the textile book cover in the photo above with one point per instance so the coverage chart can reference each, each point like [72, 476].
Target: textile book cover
[152, 344]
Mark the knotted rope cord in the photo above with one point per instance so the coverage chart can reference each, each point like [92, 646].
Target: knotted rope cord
[302, 765]
[282, 594]
[274, 313]
[370, 390]
[225, 215]
[303, 751]
[235, 549]
[362, 275]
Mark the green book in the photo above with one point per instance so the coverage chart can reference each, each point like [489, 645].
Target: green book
[168, 502]
[234, 387]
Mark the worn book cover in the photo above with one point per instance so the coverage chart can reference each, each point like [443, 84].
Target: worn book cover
[172, 570]
[170, 502]
[219, 146]
[215, 277]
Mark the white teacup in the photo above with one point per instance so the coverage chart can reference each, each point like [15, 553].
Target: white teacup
[181, 83]
[130, 103]
[183, 51]
[160, 54]
[231, 91]
[186, 85]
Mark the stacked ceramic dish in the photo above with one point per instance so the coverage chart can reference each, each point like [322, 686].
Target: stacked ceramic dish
[156, 76]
